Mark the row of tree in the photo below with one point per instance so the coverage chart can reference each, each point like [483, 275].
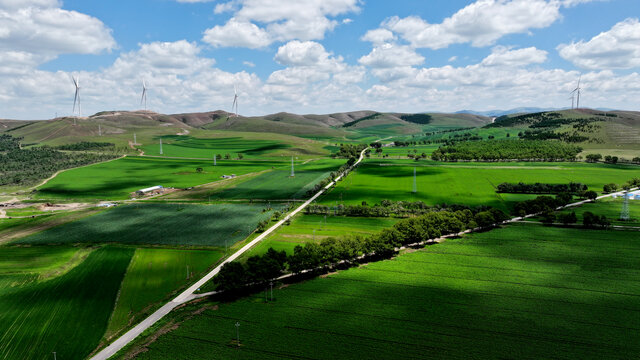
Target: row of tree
[542, 188]
[499, 150]
[86, 145]
[259, 270]
[349, 151]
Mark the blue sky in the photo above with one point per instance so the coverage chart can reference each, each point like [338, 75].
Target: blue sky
[316, 56]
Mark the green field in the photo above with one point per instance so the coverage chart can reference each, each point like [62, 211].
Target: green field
[301, 230]
[155, 275]
[611, 208]
[118, 179]
[187, 146]
[158, 224]
[43, 311]
[465, 183]
[278, 183]
[525, 292]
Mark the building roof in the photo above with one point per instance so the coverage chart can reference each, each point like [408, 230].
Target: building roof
[157, 187]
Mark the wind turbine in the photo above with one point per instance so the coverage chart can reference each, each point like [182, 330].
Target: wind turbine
[76, 99]
[573, 100]
[143, 99]
[577, 90]
[235, 101]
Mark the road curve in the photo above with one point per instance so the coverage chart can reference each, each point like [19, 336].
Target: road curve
[187, 295]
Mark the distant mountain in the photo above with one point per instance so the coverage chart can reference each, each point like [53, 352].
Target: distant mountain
[497, 113]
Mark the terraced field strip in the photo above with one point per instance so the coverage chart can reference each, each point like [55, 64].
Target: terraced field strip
[187, 294]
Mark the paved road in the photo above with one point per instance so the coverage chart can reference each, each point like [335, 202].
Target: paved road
[188, 294]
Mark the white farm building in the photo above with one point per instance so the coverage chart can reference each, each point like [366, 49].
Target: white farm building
[150, 190]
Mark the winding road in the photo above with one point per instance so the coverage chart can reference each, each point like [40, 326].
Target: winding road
[188, 294]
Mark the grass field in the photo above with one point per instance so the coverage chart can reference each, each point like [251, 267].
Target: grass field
[301, 230]
[68, 313]
[524, 292]
[158, 224]
[465, 183]
[118, 179]
[611, 208]
[155, 275]
[278, 183]
[187, 146]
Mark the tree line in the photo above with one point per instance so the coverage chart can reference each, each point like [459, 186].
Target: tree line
[259, 270]
[500, 150]
[541, 188]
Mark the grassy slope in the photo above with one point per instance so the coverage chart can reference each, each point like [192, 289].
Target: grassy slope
[470, 183]
[117, 179]
[155, 275]
[67, 314]
[163, 224]
[525, 292]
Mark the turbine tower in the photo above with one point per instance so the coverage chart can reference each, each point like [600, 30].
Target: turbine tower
[573, 101]
[234, 107]
[76, 99]
[624, 214]
[577, 91]
[293, 174]
[415, 185]
[143, 99]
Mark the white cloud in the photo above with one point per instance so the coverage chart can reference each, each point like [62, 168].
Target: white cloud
[618, 48]
[480, 23]
[248, 63]
[502, 56]
[44, 29]
[347, 21]
[453, 58]
[277, 20]
[237, 33]
[301, 53]
[390, 56]
[378, 36]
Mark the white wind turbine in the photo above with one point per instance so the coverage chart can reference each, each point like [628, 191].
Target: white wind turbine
[76, 99]
[143, 99]
[235, 101]
[577, 91]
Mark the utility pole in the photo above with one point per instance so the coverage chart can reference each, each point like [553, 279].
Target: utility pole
[624, 215]
[238, 332]
[293, 174]
[415, 186]
[54, 356]
[160, 146]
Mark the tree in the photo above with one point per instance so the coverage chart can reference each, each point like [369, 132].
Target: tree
[262, 226]
[484, 219]
[591, 195]
[568, 218]
[548, 218]
[232, 276]
[609, 188]
[636, 160]
[593, 157]
[199, 170]
[227, 156]
[240, 156]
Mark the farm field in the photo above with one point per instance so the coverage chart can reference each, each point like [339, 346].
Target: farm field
[611, 208]
[301, 230]
[465, 183]
[278, 183]
[155, 275]
[190, 147]
[566, 293]
[158, 224]
[116, 180]
[45, 311]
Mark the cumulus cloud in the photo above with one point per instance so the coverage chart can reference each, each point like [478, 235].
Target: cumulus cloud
[480, 23]
[618, 48]
[390, 56]
[277, 20]
[237, 33]
[503, 56]
[378, 36]
[40, 27]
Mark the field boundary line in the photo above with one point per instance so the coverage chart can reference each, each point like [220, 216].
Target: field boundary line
[187, 295]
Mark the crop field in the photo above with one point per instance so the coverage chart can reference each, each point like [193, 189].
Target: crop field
[116, 180]
[187, 146]
[465, 183]
[158, 224]
[278, 183]
[566, 294]
[302, 227]
[153, 276]
[611, 208]
[44, 311]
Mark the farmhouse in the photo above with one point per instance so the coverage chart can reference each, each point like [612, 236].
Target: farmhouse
[158, 189]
